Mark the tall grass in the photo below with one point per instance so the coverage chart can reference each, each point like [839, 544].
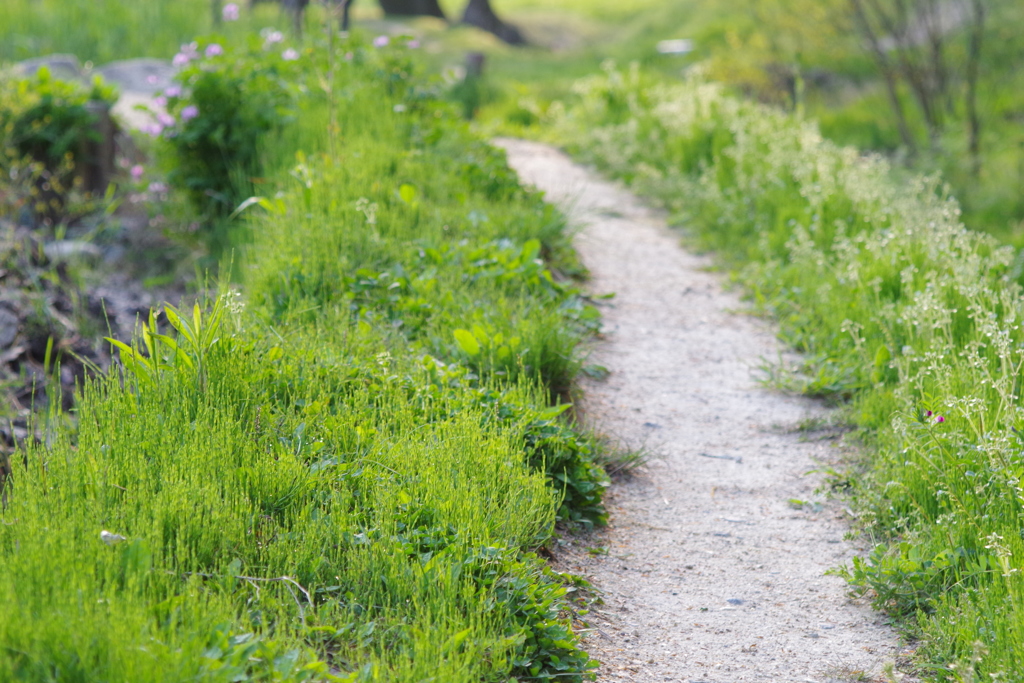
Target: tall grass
[100, 31]
[322, 478]
[901, 311]
[347, 491]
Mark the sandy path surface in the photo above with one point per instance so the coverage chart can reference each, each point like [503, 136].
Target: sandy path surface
[712, 573]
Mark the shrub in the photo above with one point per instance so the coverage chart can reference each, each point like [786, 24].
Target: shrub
[225, 106]
[46, 125]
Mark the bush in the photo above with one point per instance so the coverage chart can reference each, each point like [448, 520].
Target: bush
[46, 125]
[226, 105]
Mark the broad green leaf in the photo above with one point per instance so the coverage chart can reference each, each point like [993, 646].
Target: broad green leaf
[407, 193]
[554, 411]
[480, 333]
[456, 640]
[178, 352]
[262, 202]
[467, 342]
[531, 250]
[180, 324]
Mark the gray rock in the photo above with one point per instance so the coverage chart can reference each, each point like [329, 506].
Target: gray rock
[63, 67]
[144, 76]
[9, 325]
[63, 250]
[128, 112]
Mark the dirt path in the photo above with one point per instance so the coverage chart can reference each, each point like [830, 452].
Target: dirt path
[713, 574]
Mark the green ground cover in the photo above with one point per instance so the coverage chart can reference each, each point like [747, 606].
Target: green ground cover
[341, 472]
[907, 317]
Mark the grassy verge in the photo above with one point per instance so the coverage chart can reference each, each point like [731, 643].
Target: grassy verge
[340, 473]
[902, 313]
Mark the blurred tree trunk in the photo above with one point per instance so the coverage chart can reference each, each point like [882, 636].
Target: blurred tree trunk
[413, 8]
[909, 40]
[296, 8]
[346, 7]
[902, 27]
[973, 63]
[479, 13]
[888, 70]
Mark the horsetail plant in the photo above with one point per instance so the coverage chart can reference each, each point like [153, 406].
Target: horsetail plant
[196, 338]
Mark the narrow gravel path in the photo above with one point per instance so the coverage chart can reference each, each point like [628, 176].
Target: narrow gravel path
[713, 574]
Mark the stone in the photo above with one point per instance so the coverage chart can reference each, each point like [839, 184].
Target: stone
[139, 76]
[63, 67]
[9, 326]
[63, 250]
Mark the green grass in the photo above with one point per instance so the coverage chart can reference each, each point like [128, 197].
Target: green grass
[903, 315]
[341, 473]
[99, 31]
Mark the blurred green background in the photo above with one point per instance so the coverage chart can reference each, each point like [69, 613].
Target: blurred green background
[804, 55]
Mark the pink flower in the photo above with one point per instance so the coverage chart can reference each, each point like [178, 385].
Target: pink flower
[213, 49]
[157, 188]
[160, 101]
[137, 172]
[939, 419]
[173, 91]
[153, 129]
[230, 12]
[349, 56]
[152, 79]
[189, 112]
[381, 41]
[289, 55]
[165, 119]
[270, 36]
[413, 44]
[186, 54]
